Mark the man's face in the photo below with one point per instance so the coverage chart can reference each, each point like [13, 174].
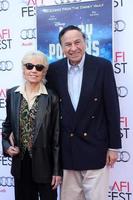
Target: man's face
[73, 46]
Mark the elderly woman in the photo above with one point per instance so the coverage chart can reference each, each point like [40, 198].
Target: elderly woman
[33, 119]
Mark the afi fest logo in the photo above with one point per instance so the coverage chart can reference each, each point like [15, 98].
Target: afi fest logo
[2, 98]
[120, 64]
[5, 39]
[120, 191]
[118, 3]
[125, 130]
[59, 2]
[4, 5]
[42, 2]
[30, 9]
[5, 161]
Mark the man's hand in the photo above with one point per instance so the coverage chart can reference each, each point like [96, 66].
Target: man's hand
[111, 158]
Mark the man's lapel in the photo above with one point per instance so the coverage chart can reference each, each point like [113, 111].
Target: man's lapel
[89, 78]
[63, 85]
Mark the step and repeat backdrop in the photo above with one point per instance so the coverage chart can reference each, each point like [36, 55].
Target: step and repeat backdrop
[34, 24]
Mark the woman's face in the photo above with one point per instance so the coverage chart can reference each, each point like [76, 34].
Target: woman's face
[33, 70]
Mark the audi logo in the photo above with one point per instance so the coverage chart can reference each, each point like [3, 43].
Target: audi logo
[123, 156]
[7, 181]
[4, 5]
[122, 91]
[6, 65]
[1, 121]
[66, 1]
[119, 25]
[28, 34]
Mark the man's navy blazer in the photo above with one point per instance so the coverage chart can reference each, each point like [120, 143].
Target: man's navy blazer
[88, 132]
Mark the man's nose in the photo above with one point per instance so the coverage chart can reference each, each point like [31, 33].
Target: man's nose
[73, 47]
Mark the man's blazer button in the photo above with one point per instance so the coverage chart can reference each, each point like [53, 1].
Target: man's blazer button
[95, 99]
[92, 117]
[60, 100]
[85, 134]
[61, 117]
[71, 134]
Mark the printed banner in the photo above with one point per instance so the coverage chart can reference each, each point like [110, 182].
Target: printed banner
[19, 34]
[94, 18]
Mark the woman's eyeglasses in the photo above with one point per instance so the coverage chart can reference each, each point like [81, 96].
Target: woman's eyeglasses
[30, 66]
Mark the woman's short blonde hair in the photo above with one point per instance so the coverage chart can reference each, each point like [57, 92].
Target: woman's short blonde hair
[32, 54]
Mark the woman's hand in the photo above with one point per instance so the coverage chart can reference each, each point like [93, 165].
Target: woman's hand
[13, 151]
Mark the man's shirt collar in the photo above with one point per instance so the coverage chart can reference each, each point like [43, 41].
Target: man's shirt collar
[80, 64]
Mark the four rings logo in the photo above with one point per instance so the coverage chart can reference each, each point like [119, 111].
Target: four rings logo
[66, 1]
[1, 120]
[123, 156]
[6, 65]
[4, 5]
[119, 25]
[122, 91]
[6, 181]
[28, 34]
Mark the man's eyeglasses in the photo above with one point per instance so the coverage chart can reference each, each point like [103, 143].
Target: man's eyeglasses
[30, 66]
